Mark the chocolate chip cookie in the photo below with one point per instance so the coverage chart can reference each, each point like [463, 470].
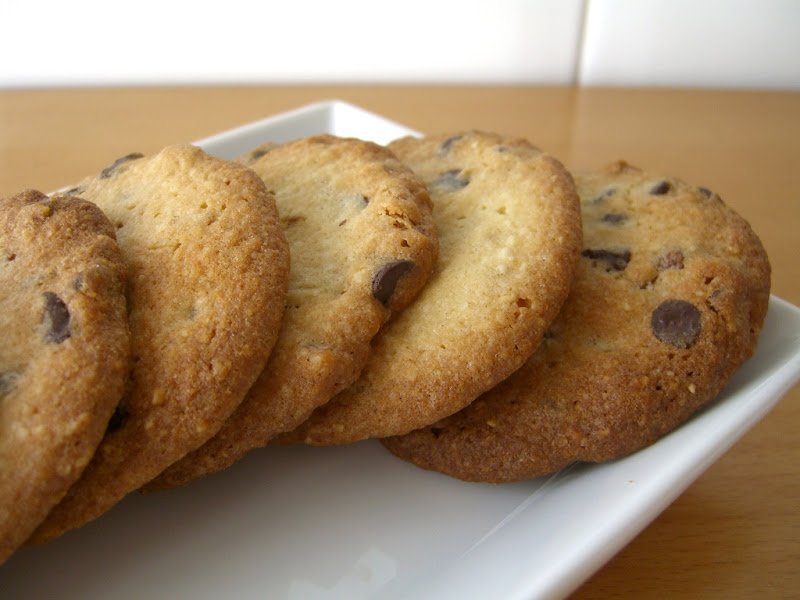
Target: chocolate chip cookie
[64, 350]
[669, 299]
[363, 243]
[208, 269]
[509, 228]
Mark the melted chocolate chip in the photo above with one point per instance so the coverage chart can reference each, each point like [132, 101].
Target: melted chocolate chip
[109, 170]
[56, 319]
[676, 322]
[451, 180]
[448, 143]
[670, 260]
[614, 218]
[119, 417]
[705, 191]
[661, 188]
[616, 261]
[385, 280]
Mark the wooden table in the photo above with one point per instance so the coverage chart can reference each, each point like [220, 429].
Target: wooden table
[735, 533]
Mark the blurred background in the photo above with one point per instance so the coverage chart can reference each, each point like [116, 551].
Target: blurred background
[683, 43]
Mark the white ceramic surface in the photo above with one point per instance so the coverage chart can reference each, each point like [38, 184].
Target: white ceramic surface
[354, 522]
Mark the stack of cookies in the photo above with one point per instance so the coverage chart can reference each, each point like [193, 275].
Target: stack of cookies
[462, 297]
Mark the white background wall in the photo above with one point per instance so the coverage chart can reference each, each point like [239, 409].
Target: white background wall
[705, 43]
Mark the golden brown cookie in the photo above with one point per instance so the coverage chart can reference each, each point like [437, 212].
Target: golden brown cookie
[509, 238]
[669, 300]
[208, 268]
[64, 350]
[363, 244]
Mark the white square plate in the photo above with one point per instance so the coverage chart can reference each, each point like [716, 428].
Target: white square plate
[354, 522]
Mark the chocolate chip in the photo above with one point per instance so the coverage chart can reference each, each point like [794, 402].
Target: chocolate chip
[448, 143]
[7, 382]
[614, 218]
[292, 219]
[616, 261]
[661, 188]
[670, 260]
[676, 322]
[451, 179]
[56, 319]
[109, 170]
[119, 417]
[705, 191]
[73, 191]
[385, 280]
[259, 152]
[607, 193]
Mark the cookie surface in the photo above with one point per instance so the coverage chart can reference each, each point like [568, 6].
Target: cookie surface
[363, 243]
[208, 266]
[64, 350]
[509, 230]
[669, 299]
